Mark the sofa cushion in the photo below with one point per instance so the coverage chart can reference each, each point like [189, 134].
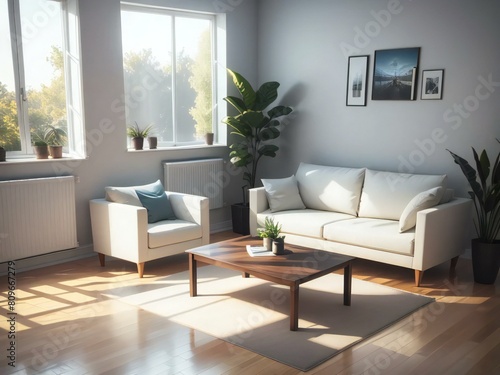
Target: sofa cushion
[283, 194]
[386, 194]
[377, 234]
[330, 188]
[305, 222]
[169, 232]
[421, 201]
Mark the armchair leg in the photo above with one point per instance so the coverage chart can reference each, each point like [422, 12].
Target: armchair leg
[101, 259]
[418, 277]
[140, 269]
[453, 265]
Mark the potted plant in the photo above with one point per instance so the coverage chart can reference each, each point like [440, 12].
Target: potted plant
[271, 238]
[255, 128]
[39, 142]
[137, 134]
[56, 137]
[485, 194]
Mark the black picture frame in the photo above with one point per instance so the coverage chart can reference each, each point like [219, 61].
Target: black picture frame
[432, 84]
[395, 73]
[357, 80]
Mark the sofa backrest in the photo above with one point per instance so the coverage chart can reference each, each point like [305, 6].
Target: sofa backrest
[330, 188]
[386, 194]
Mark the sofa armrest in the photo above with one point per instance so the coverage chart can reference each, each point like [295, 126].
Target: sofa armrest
[118, 229]
[441, 233]
[258, 204]
[193, 208]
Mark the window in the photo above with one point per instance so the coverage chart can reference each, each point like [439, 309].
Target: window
[39, 75]
[170, 73]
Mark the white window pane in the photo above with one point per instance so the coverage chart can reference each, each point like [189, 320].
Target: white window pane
[43, 43]
[9, 128]
[194, 78]
[147, 60]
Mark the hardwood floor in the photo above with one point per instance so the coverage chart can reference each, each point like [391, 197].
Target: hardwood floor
[71, 321]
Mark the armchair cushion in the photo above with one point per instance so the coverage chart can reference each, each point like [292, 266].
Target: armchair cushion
[128, 195]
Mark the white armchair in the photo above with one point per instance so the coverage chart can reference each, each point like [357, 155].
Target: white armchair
[122, 230]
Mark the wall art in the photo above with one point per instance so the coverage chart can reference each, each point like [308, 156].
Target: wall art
[357, 80]
[395, 74]
[432, 84]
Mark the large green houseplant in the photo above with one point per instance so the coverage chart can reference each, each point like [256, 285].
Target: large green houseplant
[485, 184]
[255, 126]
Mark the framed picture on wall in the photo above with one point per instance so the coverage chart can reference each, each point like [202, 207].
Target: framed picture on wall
[395, 74]
[432, 84]
[357, 80]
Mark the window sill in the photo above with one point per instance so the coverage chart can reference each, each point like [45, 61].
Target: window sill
[28, 160]
[173, 148]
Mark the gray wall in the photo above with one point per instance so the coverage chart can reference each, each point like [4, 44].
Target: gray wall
[302, 45]
[109, 163]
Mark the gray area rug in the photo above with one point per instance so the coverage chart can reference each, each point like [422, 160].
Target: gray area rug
[254, 314]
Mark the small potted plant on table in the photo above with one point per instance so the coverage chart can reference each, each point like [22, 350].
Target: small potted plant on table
[271, 238]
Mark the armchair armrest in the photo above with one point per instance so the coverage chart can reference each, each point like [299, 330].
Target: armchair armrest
[118, 229]
[258, 204]
[441, 232]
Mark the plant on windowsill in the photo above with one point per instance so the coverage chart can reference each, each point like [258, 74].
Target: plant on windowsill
[40, 143]
[254, 128]
[270, 235]
[137, 134]
[56, 137]
[486, 197]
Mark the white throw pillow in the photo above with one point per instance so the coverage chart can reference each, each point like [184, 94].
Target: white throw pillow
[328, 188]
[421, 201]
[386, 194]
[127, 195]
[283, 194]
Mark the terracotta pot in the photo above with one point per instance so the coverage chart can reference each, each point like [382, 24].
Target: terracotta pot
[209, 138]
[42, 152]
[153, 142]
[56, 152]
[3, 154]
[138, 143]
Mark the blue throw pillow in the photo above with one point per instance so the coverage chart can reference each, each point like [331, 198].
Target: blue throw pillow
[154, 199]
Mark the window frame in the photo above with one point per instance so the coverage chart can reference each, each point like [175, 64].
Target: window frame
[76, 144]
[219, 85]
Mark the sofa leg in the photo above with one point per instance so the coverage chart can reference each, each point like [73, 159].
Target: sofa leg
[140, 269]
[418, 277]
[101, 259]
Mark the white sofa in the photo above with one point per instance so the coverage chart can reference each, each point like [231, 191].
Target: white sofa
[407, 220]
[122, 226]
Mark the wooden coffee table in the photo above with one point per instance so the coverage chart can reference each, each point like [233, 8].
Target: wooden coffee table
[299, 265]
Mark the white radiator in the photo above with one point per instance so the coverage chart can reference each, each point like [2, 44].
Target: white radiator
[199, 177]
[37, 216]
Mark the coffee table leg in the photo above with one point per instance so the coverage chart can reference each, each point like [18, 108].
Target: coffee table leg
[347, 284]
[294, 307]
[193, 268]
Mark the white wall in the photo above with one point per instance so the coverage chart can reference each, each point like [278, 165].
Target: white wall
[109, 163]
[302, 43]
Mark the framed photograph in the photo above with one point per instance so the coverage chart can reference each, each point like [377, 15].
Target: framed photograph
[357, 80]
[432, 84]
[395, 74]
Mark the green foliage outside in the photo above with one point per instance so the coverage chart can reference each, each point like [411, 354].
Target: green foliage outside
[46, 107]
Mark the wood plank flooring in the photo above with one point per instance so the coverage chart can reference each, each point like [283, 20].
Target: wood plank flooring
[70, 321]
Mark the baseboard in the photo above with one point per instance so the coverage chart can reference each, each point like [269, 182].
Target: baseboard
[221, 226]
[45, 260]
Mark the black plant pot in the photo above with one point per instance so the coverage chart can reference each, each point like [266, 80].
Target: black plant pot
[485, 261]
[240, 214]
